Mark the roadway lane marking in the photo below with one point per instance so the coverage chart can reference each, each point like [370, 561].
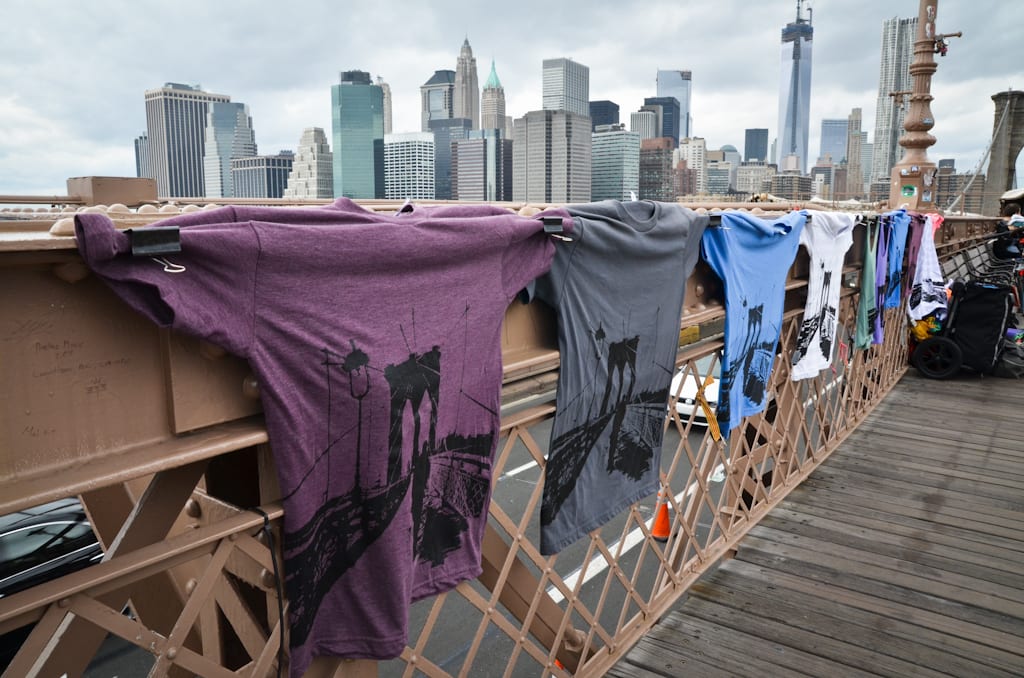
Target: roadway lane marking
[632, 539]
[519, 469]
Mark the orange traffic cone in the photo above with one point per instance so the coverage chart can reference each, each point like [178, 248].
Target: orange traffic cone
[661, 529]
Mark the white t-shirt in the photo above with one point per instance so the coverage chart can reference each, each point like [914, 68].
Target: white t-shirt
[827, 237]
[928, 293]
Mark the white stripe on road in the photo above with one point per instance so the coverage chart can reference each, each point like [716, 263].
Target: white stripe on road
[598, 564]
[519, 469]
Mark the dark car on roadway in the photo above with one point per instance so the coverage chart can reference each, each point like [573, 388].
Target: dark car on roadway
[39, 544]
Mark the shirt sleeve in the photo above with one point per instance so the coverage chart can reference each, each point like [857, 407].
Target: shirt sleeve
[206, 290]
[530, 250]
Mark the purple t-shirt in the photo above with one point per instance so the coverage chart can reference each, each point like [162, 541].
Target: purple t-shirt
[376, 342]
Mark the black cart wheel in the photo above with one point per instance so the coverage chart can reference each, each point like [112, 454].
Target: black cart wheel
[937, 358]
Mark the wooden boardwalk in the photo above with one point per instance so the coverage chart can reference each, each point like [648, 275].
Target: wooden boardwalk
[902, 555]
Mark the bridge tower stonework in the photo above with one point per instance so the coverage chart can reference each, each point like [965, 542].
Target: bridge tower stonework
[1007, 142]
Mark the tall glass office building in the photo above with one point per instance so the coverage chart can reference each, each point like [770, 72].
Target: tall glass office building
[615, 163]
[668, 114]
[795, 93]
[551, 157]
[678, 84]
[833, 139]
[175, 130]
[755, 144]
[357, 119]
[898, 37]
[566, 86]
[229, 135]
[482, 166]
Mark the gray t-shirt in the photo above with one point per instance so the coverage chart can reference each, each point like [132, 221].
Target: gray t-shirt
[618, 291]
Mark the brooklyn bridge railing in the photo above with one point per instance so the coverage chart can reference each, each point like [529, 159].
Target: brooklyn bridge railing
[161, 440]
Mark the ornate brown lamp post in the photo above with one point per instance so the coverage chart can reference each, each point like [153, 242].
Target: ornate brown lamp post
[913, 177]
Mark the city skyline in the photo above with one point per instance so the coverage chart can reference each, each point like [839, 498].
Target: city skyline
[85, 119]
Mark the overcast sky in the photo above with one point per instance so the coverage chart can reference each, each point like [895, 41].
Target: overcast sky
[72, 74]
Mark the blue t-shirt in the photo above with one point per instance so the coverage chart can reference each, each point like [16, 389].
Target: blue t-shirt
[751, 255]
[899, 224]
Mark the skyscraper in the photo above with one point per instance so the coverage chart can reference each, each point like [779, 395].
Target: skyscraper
[142, 157]
[445, 132]
[482, 166]
[644, 123]
[261, 176]
[228, 135]
[357, 120]
[566, 86]
[175, 128]
[668, 117]
[409, 166]
[603, 112]
[467, 87]
[437, 98]
[833, 139]
[386, 91]
[615, 163]
[866, 153]
[795, 91]
[677, 84]
[492, 102]
[854, 150]
[551, 157]
[312, 174]
[694, 151]
[755, 145]
[733, 157]
[657, 178]
[893, 76]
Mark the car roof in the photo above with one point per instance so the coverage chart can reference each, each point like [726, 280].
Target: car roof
[62, 509]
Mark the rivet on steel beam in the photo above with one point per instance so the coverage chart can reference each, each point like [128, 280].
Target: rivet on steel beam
[251, 388]
[211, 351]
[233, 536]
[172, 652]
[193, 509]
[267, 579]
[64, 602]
[190, 586]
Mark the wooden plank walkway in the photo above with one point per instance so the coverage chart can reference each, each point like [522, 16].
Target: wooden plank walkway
[902, 555]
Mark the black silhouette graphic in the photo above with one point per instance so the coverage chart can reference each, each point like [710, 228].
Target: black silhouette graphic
[823, 324]
[449, 477]
[754, 364]
[621, 355]
[409, 381]
[631, 423]
[934, 294]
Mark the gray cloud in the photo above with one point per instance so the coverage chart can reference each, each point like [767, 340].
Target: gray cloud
[74, 73]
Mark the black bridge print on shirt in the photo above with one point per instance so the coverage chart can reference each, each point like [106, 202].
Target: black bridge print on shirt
[823, 324]
[449, 477]
[631, 424]
[755, 360]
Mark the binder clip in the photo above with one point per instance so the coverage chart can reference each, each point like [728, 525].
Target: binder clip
[553, 227]
[154, 241]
